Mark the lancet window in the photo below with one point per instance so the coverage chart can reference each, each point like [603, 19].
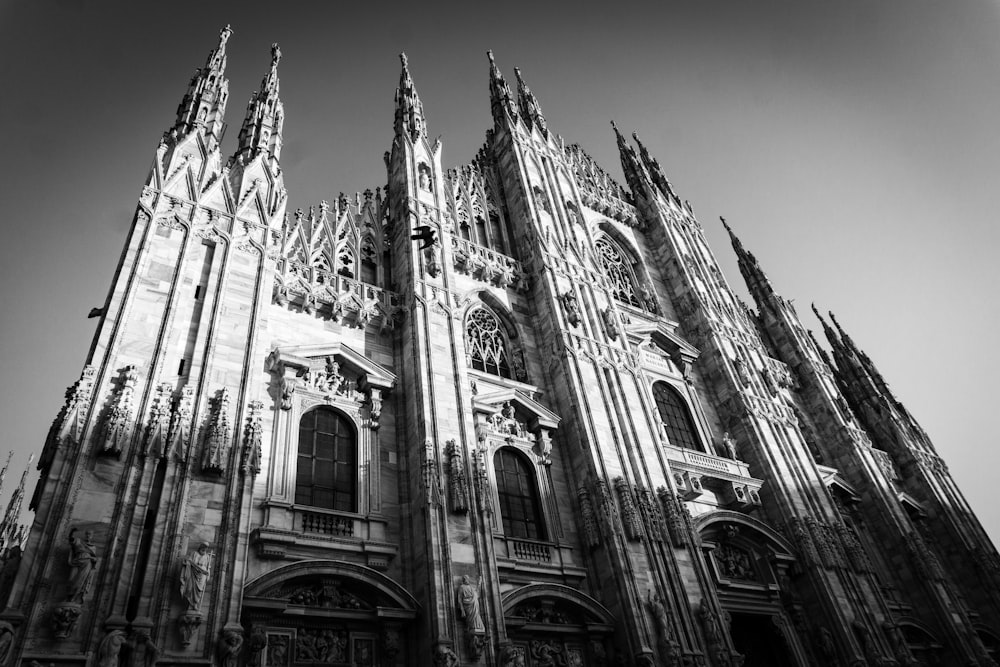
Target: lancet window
[676, 417]
[327, 462]
[618, 270]
[486, 342]
[520, 507]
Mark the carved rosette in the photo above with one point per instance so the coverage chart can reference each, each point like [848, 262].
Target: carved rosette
[218, 434]
[252, 435]
[180, 425]
[158, 426]
[117, 429]
[458, 484]
[630, 517]
[68, 425]
[590, 529]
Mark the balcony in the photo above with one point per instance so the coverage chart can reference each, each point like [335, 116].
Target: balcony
[730, 479]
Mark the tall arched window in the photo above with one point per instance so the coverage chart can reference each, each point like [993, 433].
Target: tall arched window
[618, 271]
[486, 343]
[675, 416]
[520, 509]
[327, 463]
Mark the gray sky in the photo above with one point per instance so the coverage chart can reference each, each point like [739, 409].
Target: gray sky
[853, 145]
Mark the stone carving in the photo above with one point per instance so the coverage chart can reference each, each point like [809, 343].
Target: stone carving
[6, 641]
[665, 641]
[252, 436]
[230, 644]
[180, 425]
[674, 521]
[729, 446]
[82, 563]
[391, 644]
[510, 655]
[158, 427]
[64, 618]
[546, 653]
[505, 422]
[517, 362]
[467, 598]
[258, 642]
[374, 407]
[856, 554]
[117, 429]
[630, 518]
[110, 647]
[899, 646]
[827, 648]
[651, 514]
[320, 645]
[543, 445]
[590, 530]
[217, 436]
[610, 323]
[188, 623]
[68, 425]
[800, 535]
[649, 298]
[196, 569]
[735, 563]
[713, 631]
[443, 656]
[458, 484]
[429, 470]
[570, 308]
[328, 595]
[605, 506]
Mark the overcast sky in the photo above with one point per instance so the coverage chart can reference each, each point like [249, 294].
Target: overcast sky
[853, 145]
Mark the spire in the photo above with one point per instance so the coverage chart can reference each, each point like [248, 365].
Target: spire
[755, 278]
[530, 111]
[630, 163]
[261, 131]
[501, 100]
[655, 171]
[11, 530]
[204, 106]
[409, 111]
[3, 473]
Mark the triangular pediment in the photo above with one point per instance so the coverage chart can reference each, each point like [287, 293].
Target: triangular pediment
[305, 356]
[838, 485]
[493, 402]
[664, 336]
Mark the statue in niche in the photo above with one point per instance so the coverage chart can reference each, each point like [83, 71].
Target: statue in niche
[82, 561]
[334, 380]
[424, 178]
[467, 596]
[195, 571]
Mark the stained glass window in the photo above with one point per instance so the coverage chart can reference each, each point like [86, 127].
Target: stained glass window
[486, 343]
[618, 271]
[676, 417]
[520, 508]
[327, 462]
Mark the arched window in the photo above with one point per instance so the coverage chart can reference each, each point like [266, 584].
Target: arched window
[486, 343]
[618, 271]
[520, 509]
[675, 416]
[327, 464]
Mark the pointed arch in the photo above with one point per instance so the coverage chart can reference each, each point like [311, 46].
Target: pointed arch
[619, 266]
[487, 341]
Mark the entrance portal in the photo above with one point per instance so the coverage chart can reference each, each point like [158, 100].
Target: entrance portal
[760, 640]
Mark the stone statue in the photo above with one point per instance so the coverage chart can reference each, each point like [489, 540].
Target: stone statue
[229, 647]
[443, 656]
[468, 605]
[6, 641]
[110, 647]
[82, 561]
[729, 443]
[195, 571]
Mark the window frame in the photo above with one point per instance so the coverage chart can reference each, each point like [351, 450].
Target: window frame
[682, 406]
[341, 422]
[529, 499]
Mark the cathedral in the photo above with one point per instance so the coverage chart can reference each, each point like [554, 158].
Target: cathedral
[508, 413]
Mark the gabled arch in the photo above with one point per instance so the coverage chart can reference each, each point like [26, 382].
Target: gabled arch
[766, 535]
[400, 598]
[620, 265]
[573, 596]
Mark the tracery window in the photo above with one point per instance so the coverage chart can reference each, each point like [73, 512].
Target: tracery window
[486, 343]
[676, 417]
[618, 271]
[327, 461]
[520, 508]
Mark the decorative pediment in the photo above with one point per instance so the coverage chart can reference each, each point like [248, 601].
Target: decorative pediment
[538, 416]
[664, 335]
[838, 485]
[302, 358]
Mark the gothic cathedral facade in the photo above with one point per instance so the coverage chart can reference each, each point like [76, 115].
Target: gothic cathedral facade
[507, 414]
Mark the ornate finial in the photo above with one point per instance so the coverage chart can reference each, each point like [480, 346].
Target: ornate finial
[614, 125]
[726, 225]
[489, 54]
[403, 59]
[275, 53]
[224, 35]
